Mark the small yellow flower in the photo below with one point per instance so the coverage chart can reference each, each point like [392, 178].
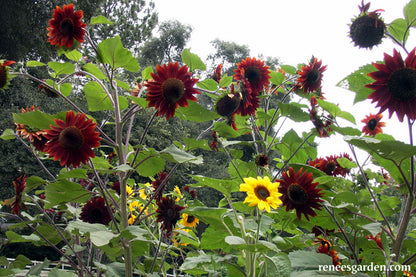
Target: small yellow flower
[261, 193]
[129, 191]
[189, 221]
[132, 218]
[178, 192]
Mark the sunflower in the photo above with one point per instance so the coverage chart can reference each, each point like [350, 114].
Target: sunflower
[95, 211]
[330, 165]
[367, 29]
[189, 221]
[261, 192]
[4, 73]
[216, 76]
[27, 132]
[310, 77]
[157, 183]
[71, 141]
[19, 186]
[262, 160]
[65, 26]
[170, 87]
[395, 85]
[298, 192]
[377, 240]
[168, 213]
[228, 104]
[250, 100]
[256, 73]
[325, 247]
[372, 124]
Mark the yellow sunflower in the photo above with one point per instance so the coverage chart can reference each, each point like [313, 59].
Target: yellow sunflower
[189, 221]
[261, 192]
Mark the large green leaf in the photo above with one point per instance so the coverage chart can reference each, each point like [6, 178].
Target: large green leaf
[100, 20]
[309, 263]
[277, 265]
[94, 70]
[34, 119]
[8, 134]
[226, 187]
[195, 112]
[398, 29]
[176, 155]
[410, 13]
[290, 144]
[192, 60]
[294, 111]
[208, 84]
[112, 52]
[276, 78]
[149, 163]
[62, 68]
[98, 100]
[356, 82]
[64, 191]
[198, 261]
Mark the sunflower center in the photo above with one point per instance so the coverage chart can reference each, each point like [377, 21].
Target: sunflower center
[95, 214]
[297, 194]
[190, 219]
[66, 26]
[313, 76]
[253, 74]
[262, 192]
[372, 124]
[71, 138]
[330, 166]
[402, 84]
[172, 90]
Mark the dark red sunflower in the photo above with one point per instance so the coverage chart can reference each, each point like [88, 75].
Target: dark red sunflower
[39, 142]
[158, 182]
[170, 87]
[262, 160]
[4, 73]
[256, 73]
[250, 100]
[330, 165]
[72, 140]
[395, 85]
[373, 124]
[325, 247]
[65, 26]
[367, 29]
[95, 211]
[116, 187]
[228, 104]
[310, 78]
[300, 193]
[216, 76]
[19, 186]
[168, 213]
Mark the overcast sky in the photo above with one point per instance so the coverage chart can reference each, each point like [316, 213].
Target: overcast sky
[293, 31]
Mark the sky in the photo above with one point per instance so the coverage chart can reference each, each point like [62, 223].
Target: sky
[293, 31]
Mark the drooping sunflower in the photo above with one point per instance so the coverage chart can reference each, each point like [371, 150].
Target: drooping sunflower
[310, 78]
[256, 73]
[216, 76]
[19, 186]
[157, 183]
[168, 213]
[66, 26]
[250, 100]
[95, 211]
[4, 73]
[170, 87]
[373, 124]
[395, 85]
[72, 140]
[189, 221]
[228, 104]
[367, 29]
[300, 193]
[28, 132]
[261, 192]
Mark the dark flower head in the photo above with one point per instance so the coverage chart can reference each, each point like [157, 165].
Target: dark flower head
[39, 142]
[4, 73]
[116, 187]
[395, 85]
[19, 186]
[72, 140]
[330, 165]
[249, 100]
[300, 193]
[322, 124]
[168, 213]
[217, 74]
[310, 76]
[325, 247]
[157, 183]
[367, 29]
[256, 73]
[170, 87]
[373, 124]
[95, 211]
[214, 144]
[262, 160]
[191, 192]
[228, 104]
[66, 26]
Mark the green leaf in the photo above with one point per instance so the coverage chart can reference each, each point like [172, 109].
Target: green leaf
[192, 60]
[398, 28]
[101, 238]
[146, 73]
[79, 227]
[276, 78]
[208, 215]
[34, 119]
[64, 191]
[289, 144]
[346, 131]
[36, 270]
[226, 187]
[225, 130]
[176, 155]
[56, 272]
[195, 112]
[225, 81]
[62, 68]
[8, 134]
[208, 84]
[20, 262]
[356, 82]
[65, 89]
[74, 173]
[410, 13]
[149, 163]
[33, 182]
[100, 20]
[94, 70]
[73, 55]
[277, 265]
[329, 107]
[308, 261]
[289, 69]
[139, 101]
[197, 262]
[294, 111]
[34, 64]
[98, 100]
[112, 52]
[347, 116]
[373, 228]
